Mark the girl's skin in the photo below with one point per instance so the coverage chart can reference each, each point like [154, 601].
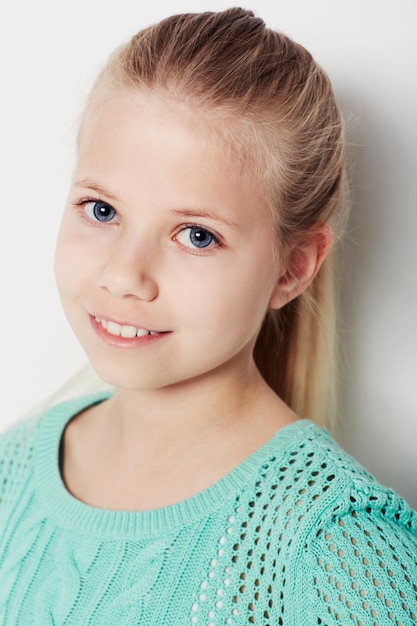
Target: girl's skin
[187, 248]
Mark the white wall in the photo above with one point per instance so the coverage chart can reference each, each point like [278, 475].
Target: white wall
[49, 53]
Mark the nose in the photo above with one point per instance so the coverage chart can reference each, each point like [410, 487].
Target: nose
[126, 272]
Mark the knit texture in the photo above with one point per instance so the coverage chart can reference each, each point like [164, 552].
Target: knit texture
[298, 534]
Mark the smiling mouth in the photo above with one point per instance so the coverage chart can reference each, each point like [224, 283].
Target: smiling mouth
[121, 330]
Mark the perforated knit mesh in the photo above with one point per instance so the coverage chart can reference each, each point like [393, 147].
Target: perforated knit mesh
[355, 565]
[299, 534]
[365, 575]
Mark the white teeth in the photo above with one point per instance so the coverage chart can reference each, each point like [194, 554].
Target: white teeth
[102, 322]
[128, 332]
[114, 329]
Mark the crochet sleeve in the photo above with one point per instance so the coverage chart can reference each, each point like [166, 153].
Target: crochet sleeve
[360, 570]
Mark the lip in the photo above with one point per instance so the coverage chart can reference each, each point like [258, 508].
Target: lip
[125, 342]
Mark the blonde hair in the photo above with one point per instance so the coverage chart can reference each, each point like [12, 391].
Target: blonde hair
[275, 107]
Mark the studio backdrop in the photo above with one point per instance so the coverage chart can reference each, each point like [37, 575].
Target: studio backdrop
[49, 54]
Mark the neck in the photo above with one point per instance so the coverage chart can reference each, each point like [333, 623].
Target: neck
[193, 411]
[173, 442]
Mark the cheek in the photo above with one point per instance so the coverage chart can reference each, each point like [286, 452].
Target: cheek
[70, 262]
[61, 266]
[234, 295]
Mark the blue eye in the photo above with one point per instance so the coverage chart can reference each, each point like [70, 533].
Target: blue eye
[200, 238]
[196, 237]
[100, 211]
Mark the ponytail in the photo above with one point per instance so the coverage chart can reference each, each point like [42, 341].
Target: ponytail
[295, 350]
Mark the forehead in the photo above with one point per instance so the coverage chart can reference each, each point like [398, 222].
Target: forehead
[131, 120]
[135, 138]
[155, 117]
[223, 131]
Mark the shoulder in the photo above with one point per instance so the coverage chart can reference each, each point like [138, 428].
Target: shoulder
[19, 443]
[317, 473]
[330, 485]
[355, 548]
[328, 476]
[14, 442]
[22, 434]
[16, 460]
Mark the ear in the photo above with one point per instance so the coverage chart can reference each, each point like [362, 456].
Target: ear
[302, 263]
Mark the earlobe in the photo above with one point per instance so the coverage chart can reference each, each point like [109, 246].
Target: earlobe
[302, 264]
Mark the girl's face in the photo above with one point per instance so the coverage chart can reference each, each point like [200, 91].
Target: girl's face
[165, 260]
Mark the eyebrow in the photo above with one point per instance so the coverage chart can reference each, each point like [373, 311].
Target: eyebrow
[88, 183]
[210, 214]
[91, 184]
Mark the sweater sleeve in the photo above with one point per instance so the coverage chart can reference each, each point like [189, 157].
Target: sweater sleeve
[360, 569]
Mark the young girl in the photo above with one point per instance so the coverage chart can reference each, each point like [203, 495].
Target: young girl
[194, 266]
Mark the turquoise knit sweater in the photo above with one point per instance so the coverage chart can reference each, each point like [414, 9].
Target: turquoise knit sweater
[298, 534]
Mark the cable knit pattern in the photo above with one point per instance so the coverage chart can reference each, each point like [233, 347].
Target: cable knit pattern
[298, 534]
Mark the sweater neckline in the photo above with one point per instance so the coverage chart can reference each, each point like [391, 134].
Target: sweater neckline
[73, 514]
